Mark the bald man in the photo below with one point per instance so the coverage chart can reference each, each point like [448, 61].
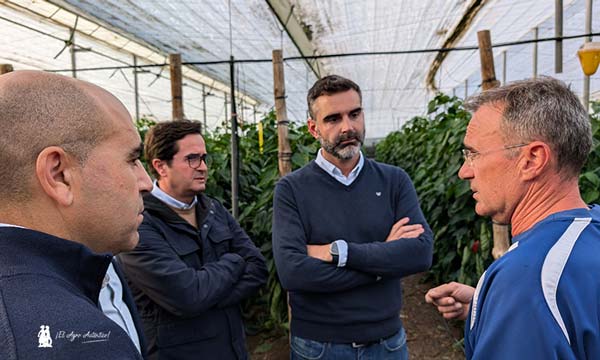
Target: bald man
[70, 195]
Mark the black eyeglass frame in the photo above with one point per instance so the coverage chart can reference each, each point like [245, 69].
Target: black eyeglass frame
[195, 160]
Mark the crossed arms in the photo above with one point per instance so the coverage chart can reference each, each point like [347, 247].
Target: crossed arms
[302, 267]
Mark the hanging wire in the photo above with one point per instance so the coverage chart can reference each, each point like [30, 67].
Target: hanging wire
[230, 32]
[69, 41]
[78, 47]
[157, 76]
[285, 26]
[327, 56]
[278, 25]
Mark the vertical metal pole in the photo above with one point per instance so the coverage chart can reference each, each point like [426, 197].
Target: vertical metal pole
[235, 167]
[588, 19]
[504, 68]
[226, 111]
[72, 50]
[136, 88]
[558, 32]
[466, 88]
[204, 108]
[535, 52]
[588, 29]
[254, 112]
[242, 117]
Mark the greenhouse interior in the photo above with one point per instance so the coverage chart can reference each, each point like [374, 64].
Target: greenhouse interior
[416, 62]
[364, 41]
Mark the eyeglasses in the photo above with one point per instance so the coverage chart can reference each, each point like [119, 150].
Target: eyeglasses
[469, 155]
[195, 160]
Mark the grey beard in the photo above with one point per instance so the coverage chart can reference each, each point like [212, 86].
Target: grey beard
[342, 153]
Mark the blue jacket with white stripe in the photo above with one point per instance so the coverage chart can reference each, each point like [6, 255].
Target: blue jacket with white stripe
[541, 300]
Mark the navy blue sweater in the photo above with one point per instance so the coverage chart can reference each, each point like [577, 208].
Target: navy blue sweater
[48, 281]
[361, 301]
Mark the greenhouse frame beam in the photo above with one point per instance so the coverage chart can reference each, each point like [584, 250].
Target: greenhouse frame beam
[455, 35]
[284, 12]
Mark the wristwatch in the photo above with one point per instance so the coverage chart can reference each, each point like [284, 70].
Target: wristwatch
[335, 252]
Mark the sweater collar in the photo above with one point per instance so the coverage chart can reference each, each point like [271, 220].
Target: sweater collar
[28, 251]
[335, 172]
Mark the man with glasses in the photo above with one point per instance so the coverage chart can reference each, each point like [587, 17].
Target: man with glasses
[194, 263]
[524, 150]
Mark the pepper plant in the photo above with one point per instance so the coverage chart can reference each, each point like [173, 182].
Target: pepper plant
[258, 175]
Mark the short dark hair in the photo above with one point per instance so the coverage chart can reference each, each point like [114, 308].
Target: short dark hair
[542, 109]
[330, 85]
[161, 140]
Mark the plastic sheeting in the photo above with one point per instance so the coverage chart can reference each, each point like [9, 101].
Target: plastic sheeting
[394, 86]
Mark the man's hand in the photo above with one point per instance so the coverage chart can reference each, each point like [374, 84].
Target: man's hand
[320, 252]
[401, 230]
[452, 299]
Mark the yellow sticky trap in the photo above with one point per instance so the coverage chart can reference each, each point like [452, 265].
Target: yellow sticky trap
[260, 137]
[589, 57]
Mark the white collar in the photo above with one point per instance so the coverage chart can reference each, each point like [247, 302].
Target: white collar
[11, 225]
[334, 171]
[171, 201]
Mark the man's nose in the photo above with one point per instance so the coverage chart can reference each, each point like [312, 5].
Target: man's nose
[203, 166]
[465, 171]
[347, 124]
[145, 183]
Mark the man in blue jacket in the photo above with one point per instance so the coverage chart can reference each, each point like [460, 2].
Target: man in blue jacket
[524, 150]
[346, 229]
[71, 198]
[194, 263]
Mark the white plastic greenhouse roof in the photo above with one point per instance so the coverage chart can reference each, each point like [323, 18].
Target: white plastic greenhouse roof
[395, 86]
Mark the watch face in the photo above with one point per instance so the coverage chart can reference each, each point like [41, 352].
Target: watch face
[333, 250]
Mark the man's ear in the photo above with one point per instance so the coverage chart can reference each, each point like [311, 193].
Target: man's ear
[160, 167]
[535, 160]
[56, 172]
[312, 128]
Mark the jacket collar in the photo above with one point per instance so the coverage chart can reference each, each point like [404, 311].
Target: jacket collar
[159, 209]
[29, 251]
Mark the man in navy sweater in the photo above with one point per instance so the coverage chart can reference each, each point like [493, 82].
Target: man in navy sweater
[71, 198]
[346, 229]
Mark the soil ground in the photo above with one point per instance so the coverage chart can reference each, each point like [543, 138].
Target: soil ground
[429, 336]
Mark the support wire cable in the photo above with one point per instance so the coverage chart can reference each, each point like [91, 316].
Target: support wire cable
[371, 53]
